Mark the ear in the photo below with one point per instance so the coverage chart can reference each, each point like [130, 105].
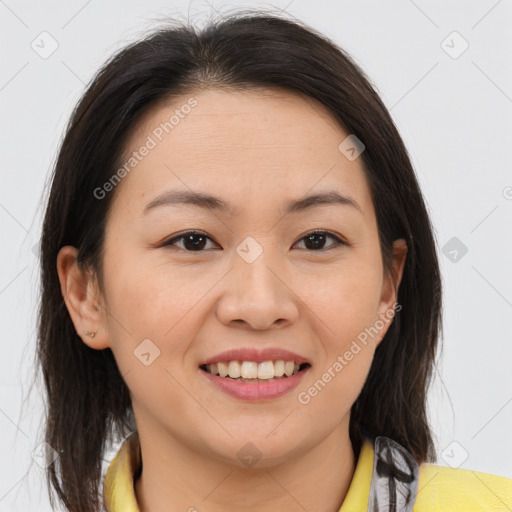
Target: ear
[389, 295]
[82, 296]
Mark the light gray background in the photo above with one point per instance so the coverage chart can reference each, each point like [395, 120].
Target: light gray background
[455, 115]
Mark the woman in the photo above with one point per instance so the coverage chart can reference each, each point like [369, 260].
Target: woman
[239, 278]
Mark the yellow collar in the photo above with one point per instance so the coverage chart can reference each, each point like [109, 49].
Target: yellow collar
[441, 489]
[118, 489]
[119, 493]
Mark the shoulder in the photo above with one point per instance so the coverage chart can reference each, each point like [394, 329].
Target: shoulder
[446, 489]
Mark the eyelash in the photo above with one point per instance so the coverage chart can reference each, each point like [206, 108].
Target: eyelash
[338, 240]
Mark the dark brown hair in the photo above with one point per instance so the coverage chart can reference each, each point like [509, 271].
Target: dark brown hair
[87, 399]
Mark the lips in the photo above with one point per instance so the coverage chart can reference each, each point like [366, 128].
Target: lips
[257, 390]
[258, 356]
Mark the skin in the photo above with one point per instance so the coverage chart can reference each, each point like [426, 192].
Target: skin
[256, 150]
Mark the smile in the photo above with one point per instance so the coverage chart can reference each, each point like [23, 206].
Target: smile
[248, 380]
[249, 371]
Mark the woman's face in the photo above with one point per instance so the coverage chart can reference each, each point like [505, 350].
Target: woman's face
[251, 280]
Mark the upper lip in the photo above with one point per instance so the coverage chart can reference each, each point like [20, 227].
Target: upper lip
[256, 355]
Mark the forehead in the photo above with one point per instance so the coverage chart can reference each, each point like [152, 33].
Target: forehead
[252, 148]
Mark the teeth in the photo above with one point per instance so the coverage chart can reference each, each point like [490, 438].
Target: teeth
[249, 370]
[223, 369]
[279, 368]
[266, 370]
[234, 369]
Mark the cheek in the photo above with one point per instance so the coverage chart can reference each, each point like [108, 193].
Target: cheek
[329, 395]
[346, 297]
[151, 298]
[149, 312]
[150, 327]
[345, 306]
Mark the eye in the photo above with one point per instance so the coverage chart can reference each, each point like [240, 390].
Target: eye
[195, 241]
[316, 240]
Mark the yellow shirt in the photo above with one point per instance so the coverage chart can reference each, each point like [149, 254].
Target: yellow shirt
[440, 489]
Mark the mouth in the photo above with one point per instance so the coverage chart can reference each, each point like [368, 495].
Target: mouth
[251, 371]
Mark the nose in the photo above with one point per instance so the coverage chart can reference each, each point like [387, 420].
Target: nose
[256, 295]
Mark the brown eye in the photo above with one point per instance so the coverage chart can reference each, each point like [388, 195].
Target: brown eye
[315, 241]
[193, 241]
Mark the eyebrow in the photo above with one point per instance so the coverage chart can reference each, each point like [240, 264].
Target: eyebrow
[207, 201]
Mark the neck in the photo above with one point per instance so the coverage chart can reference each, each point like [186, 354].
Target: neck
[177, 478]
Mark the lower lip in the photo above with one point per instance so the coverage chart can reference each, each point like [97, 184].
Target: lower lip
[256, 391]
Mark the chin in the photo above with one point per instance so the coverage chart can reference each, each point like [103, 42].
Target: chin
[258, 451]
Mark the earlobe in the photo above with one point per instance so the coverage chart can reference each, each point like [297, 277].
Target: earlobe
[82, 296]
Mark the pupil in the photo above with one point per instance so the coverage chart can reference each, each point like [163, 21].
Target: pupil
[310, 238]
[195, 246]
